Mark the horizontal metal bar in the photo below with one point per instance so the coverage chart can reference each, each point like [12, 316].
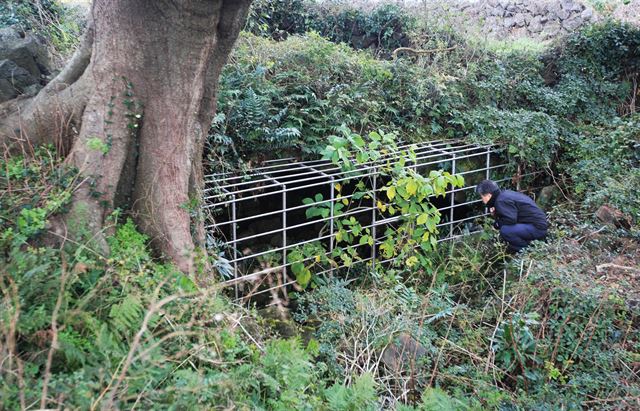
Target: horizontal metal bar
[338, 170]
[275, 287]
[340, 179]
[290, 160]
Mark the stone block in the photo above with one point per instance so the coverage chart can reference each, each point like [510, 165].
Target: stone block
[587, 14]
[535, 25]
[572, 23]
[401, 353]
[612, 216]
[27, 52]
[7, 91]
[563, 14]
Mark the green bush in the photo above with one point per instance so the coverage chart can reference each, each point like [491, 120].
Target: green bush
[85, 330]
[603, 164]
[382, 28]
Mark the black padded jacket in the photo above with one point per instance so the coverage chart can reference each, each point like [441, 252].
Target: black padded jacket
[516, 208]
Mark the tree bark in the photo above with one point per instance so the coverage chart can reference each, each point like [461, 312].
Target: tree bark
[148, 98]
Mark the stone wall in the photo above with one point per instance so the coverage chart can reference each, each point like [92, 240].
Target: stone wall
[529, 18]
[538, 19]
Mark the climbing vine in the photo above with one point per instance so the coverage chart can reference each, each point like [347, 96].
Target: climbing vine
[403, 200]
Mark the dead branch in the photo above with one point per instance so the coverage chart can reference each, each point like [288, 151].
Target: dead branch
[420, 52]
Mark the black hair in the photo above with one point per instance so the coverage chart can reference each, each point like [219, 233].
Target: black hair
[486, 187]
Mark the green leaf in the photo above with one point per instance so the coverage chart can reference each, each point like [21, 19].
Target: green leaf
[297, 268]
[391, 193]
[304, 277]
[412, 187]
[358, 141]
[422, 219]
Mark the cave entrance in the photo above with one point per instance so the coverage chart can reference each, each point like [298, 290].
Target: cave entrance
[256, 219]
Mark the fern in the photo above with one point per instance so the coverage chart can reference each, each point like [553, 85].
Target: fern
[360, 396]
[126, 316]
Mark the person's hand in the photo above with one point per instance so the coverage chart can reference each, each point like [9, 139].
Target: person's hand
[492, 210]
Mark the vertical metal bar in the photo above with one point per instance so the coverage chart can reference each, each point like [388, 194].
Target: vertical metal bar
[488, 174]
[488, 162]
[284, 233]
[234, 236]
[453, 196]
[332, 199]
[374, 198]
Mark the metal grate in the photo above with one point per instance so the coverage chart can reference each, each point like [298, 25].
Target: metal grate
[259, 216]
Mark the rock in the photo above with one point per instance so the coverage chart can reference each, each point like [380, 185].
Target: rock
[509, 22]
[566, 4]
[533, 7]
[27, 52]
[563, 14]
[527, 19]
[400, 353]
[519, 20]
[8, 34]
[614, 217]
[280, 321]
[577, 7]
[587, 14]
[535, 25]
[7, 91]
[572, 23]
[548, 197]
[519, 32]
[551, 29]
[553, 9]
[15, 76]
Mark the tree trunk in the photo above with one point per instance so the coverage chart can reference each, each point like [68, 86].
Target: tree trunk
[152, 76]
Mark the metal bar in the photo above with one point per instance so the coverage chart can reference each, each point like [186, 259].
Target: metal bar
[332, 204]
[275, 269]
[378, 223]
[344, 178]
[336, 168]
[352, 212]
[221, 224]
[234, 237]
[285, 176]
[251, 237]
[284, 233]
[292, 160]
[453, 195]
[374, 210]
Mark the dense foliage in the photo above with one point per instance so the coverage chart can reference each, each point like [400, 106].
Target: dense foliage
[285, 97]
[381, 28]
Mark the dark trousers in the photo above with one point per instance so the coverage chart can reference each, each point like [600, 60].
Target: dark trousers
[520, 235]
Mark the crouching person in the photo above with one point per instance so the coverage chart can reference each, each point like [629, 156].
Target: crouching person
[518, 217]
